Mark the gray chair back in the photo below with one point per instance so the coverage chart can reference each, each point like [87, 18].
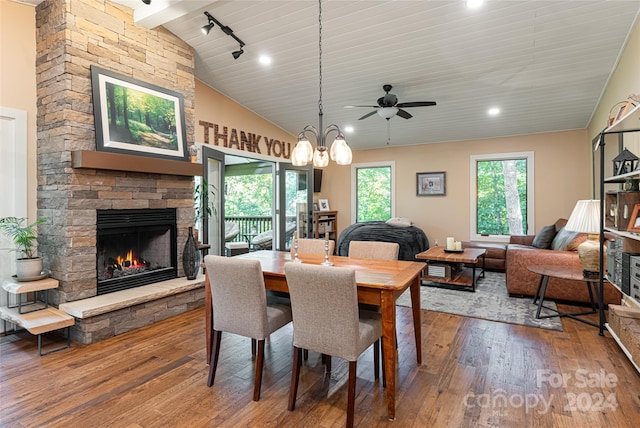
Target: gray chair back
[374, 250]
[238, 296]
[324, 302]
[313, 246]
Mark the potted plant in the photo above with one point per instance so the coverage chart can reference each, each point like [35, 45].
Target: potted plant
[24, 236]
[204, 196]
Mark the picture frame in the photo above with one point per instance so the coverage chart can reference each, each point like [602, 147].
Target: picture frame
[324, 204]
[316, 207]
[431, 183]
[624, 109]
[135, 117]
[634, 220]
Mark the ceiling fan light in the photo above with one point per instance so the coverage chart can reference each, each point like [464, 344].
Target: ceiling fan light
[320, 158]
[387, 112]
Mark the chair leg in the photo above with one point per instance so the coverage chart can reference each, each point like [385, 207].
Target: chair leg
[351, 399]
[295, 377]
[215, 352]
[376, 359]
[253, 347]
[306, 354]
[326, 359]
[384, 373]
[259, 365]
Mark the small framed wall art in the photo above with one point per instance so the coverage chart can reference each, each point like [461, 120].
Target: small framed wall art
[431, 183]
[324, 204]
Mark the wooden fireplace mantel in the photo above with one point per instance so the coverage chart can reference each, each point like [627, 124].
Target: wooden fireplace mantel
[121, 162]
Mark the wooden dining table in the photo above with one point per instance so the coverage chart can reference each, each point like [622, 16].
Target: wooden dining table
[380, 282]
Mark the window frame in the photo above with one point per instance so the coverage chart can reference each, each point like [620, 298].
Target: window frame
[473, 193]
[354, 185]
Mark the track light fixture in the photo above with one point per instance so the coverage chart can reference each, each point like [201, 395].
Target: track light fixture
[226, 30]
[146, 1]
[208, 27]
[236, 54]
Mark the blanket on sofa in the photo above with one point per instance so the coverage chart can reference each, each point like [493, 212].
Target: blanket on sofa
[412, 240]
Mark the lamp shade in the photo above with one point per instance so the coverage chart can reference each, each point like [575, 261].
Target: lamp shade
[585, 217]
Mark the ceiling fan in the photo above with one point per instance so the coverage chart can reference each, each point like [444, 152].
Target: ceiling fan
[388, 106]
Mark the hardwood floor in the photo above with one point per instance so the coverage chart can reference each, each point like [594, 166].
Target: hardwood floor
[475, 373]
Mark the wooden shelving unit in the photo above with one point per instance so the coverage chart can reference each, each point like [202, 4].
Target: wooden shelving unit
[630, 241]
[325, 222]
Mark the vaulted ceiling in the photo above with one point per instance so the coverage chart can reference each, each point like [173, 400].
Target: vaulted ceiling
[545, 64]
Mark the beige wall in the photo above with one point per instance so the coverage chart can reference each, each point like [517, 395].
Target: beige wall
[214, 107]
[561, 172]
[18, 77]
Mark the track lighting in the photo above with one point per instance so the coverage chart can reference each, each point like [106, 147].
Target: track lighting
[226, 30]
[208, 27]
[146, 1]
[236, 54]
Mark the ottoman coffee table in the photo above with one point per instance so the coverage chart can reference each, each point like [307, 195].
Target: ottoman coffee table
[447, 268]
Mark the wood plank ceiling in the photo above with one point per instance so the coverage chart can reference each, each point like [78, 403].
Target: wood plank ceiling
[543, 63]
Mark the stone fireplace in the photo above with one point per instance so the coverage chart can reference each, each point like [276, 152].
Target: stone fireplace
[73, 189]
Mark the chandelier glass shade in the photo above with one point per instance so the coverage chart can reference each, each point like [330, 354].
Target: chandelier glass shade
[303, 153]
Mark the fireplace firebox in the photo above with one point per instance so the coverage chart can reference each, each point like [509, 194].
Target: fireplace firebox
[135, 247]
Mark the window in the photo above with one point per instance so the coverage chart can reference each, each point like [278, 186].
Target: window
[372, 191]
[502, 196]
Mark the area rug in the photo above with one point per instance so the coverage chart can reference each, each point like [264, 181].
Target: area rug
[490, 302]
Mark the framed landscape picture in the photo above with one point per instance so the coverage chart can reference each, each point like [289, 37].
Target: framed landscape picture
[134, 117]
[430, 183]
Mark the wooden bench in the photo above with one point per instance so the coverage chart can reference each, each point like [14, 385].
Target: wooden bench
[37, 321]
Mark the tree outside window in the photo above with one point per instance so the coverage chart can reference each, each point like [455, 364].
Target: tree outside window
[373, 192]
[504, 195]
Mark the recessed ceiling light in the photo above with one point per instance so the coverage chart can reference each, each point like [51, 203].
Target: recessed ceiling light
[264, 59]
[348, 129]
[474, 4]
[493, 111]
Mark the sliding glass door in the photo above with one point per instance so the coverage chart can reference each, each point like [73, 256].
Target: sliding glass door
[212, 195]
[295, 203]
[247, 204]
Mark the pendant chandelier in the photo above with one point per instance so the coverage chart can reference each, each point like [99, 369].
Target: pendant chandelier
[304, 153]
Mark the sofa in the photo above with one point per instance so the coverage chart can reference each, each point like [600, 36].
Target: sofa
[552, 246]
[496, 256]
[412, 240]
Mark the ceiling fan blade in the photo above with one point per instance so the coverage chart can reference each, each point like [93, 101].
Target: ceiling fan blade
[416, 104]
[404, 114]
[360, 106]
[368, 114]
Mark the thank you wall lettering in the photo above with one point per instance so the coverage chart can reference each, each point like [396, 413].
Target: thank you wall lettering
[224, 136]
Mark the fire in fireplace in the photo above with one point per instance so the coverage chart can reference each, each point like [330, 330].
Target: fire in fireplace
[135, 248]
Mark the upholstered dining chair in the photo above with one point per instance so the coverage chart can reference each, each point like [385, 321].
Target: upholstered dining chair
[326, 319]
[240, 306]
[374, 250]
[312, 246]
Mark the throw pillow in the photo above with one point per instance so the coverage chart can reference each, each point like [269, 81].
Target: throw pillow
[566, 240]
[544, 237]
[399, 221]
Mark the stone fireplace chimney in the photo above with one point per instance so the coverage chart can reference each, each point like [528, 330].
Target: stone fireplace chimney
[72, 36]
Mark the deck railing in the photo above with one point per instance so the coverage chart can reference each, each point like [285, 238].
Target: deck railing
[252, 226]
